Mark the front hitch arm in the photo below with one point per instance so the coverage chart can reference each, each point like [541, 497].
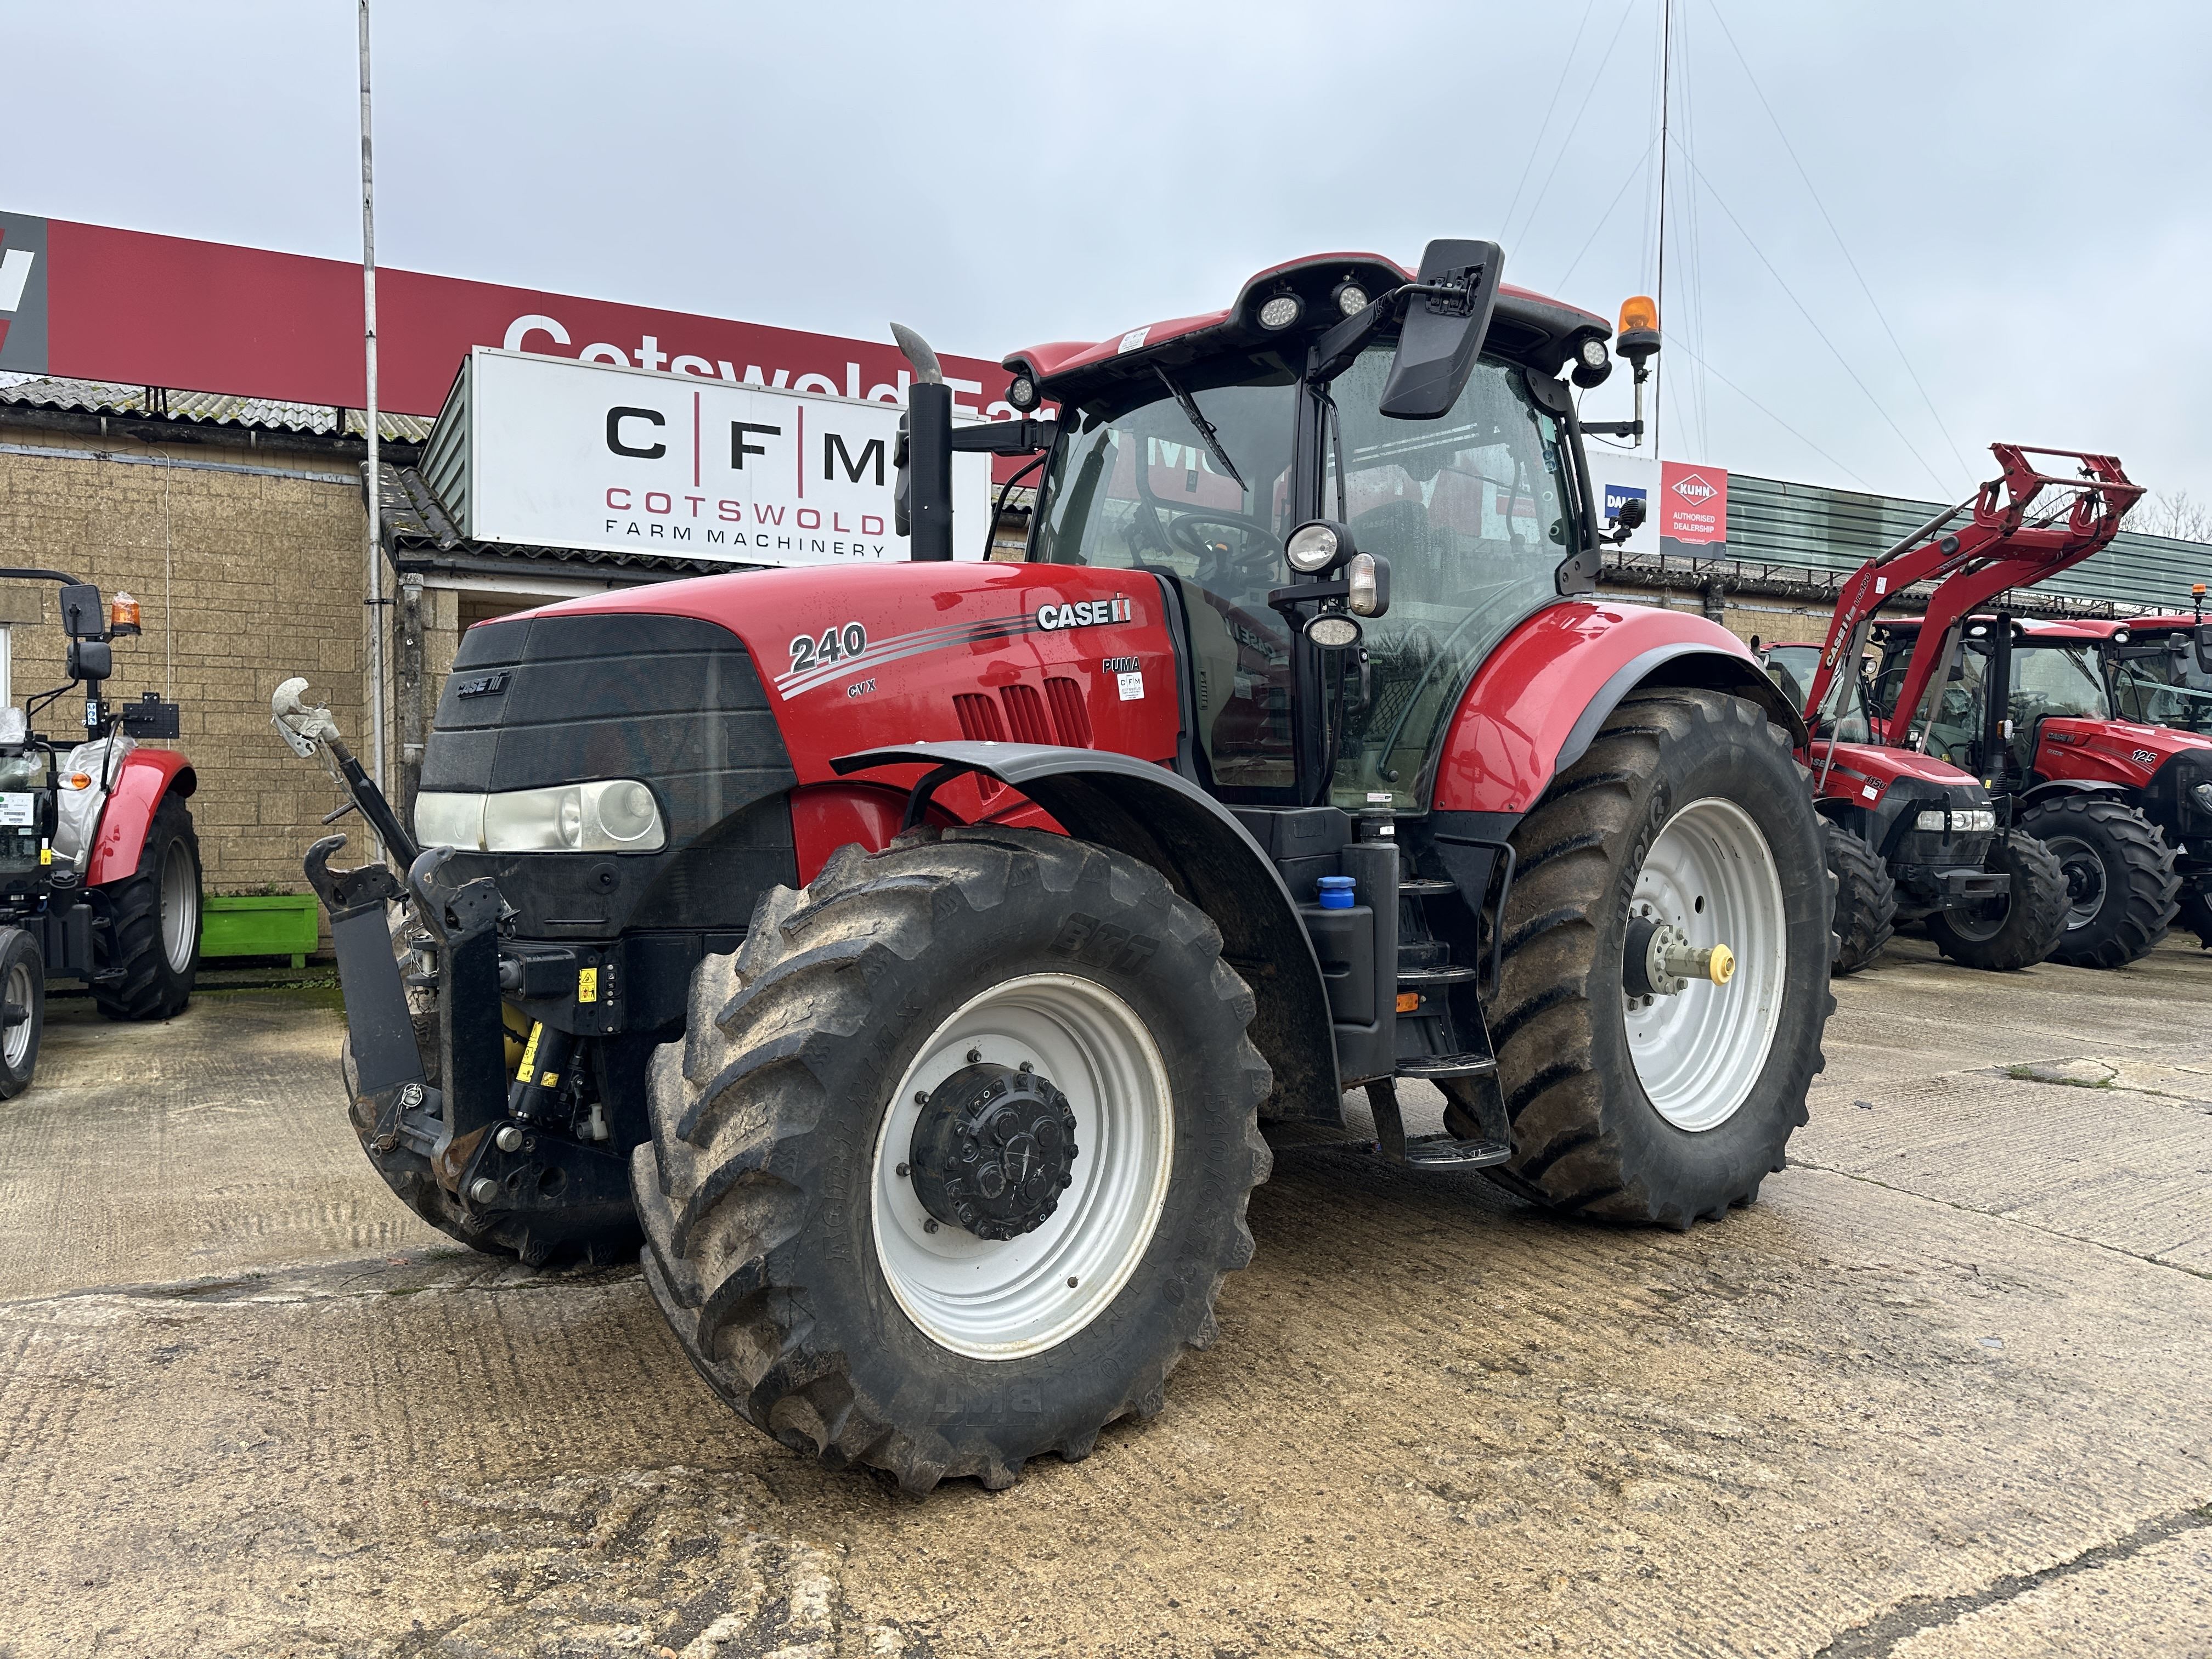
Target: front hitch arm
[388, 1066]
[464, 917]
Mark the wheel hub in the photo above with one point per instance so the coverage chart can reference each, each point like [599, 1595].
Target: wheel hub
[992, 1151]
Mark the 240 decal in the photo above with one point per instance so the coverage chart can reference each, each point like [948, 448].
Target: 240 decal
[835, 645]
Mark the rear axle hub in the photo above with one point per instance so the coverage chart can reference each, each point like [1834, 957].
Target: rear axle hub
[992, 1151]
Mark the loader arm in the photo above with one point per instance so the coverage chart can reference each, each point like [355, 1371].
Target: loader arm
[1996, 547]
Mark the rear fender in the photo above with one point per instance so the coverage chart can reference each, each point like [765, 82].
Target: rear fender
[1146, 811]
[128, 812]
[1536, 703]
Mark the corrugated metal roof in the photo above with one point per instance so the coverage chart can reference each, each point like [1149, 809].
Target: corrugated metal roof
[1815, 527]
[205, 408]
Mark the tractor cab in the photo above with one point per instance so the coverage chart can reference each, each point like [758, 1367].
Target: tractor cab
[1192, 451]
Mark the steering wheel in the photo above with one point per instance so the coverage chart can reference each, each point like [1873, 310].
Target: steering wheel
[1258, 564]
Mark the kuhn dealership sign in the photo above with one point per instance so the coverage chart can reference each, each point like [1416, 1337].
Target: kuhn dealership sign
[90, 302]
[623, 460]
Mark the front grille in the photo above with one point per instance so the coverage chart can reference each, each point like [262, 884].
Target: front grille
[672, 700]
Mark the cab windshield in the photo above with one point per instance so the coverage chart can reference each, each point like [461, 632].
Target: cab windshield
[1471, 511]
[2157, 686]
[2051, 681]
[1136, 487]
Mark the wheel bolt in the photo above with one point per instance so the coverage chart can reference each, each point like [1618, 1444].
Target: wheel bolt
[929, 1226]
[974, 1055]
[483, 1189]
[1071, 1284]
[902, 1170]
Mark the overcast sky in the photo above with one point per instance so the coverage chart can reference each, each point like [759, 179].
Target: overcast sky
[2021, 187]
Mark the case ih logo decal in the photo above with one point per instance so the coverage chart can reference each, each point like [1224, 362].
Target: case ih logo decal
[1088, 614]
[483, 685]
[1695, 488]
[846, 648]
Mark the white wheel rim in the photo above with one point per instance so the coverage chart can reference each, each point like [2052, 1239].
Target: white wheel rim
[17, 1044]
[1711, 876]
[1008, 1299]
[180, 907]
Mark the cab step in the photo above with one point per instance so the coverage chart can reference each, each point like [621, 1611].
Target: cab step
[1432, 1067]
[1425, 887]
[1430, 979]
[1426, 1152]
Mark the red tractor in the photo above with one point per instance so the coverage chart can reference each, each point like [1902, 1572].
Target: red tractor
[2159, 671]
[921, 945]
[1913, 832]
[2117, 801]
[99, 868]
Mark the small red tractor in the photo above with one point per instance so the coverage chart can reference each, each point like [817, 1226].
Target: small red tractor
[914, 951]
[99, 868]
[2125, 807]
[1918, 829]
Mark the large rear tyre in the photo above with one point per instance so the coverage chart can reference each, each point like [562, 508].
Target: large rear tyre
[2017, 931]
[955, 1154]
[1866, 898]
[154, 922]
[1688, 812]
[2121, 891]
[22, 1010]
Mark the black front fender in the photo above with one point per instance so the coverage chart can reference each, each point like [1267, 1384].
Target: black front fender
[1150, 813]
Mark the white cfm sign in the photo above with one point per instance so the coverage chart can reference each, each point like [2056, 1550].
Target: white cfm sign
[621, 460]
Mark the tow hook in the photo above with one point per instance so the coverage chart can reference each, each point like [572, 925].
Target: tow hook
[1657, 960]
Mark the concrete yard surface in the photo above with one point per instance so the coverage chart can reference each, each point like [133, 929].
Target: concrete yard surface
[1942, 1392]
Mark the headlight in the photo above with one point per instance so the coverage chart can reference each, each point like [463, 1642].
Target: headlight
[614, 815]
[1333, 631]
[1022, 393]
[1280, 311]
[2203, 794]
[1593, 354]
[1313, 548]
[1973, 820]
[1351, 299]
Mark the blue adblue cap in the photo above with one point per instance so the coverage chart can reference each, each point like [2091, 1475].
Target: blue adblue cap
[1336, 892]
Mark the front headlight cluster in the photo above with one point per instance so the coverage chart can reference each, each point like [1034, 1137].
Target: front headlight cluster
[2201, 795]
[614, 815]
[1971, 821]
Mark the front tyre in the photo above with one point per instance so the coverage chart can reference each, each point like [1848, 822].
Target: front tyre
[2122, 894]
[1630, 1100]
[955, 1154]
[2018, 930]
[154, 922]
[22, 1009]
[1866, 898]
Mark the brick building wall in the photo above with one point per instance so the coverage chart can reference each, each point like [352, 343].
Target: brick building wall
[243, 578]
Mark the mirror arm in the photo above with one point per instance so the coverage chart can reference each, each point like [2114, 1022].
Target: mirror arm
[1022, 437]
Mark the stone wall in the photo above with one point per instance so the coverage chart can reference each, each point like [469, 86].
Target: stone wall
[243, 578]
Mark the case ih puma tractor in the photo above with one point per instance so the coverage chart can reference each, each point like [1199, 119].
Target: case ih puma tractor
[914, 949]
[2157, 669]
[1913, 833]
[99, 869]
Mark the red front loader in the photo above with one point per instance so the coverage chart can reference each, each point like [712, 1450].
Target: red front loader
[1920, 817]
[921, 945]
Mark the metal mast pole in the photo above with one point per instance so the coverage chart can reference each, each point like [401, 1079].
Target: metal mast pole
[375, 491]
[1665, 85]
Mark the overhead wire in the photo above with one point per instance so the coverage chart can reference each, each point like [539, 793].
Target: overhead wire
[1843, 247]
[1771, 415]
[1543, 192]
[1605, 216]
[1566, 66]
[1721, 202]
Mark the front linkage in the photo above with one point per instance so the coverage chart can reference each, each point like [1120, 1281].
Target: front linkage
[497, 1161]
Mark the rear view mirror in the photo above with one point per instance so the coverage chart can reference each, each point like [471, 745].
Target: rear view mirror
[1447, 317]
[83, 617]
[2204, 646]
